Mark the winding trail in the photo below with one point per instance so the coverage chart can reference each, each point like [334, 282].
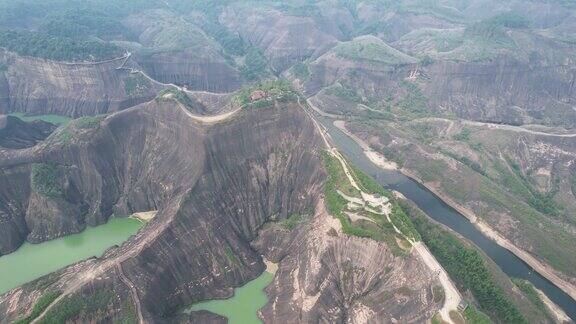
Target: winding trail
[133, 292]
[452, 295]
[210, 119]
[518, 129]
[131, 249]
[542, 268]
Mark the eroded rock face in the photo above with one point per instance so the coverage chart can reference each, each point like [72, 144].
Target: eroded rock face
[16, 134]
[214, 187]
[37, 86]
[327, 276]
[505, 91]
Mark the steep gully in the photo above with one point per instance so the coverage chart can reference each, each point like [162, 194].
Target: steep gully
[116, 263]
[504, 255]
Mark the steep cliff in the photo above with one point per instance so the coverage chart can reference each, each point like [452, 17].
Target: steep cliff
[15, 133]
[215, 186]
[36, 86]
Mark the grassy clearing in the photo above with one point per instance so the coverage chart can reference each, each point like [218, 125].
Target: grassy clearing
[41, 304]
[57, 120]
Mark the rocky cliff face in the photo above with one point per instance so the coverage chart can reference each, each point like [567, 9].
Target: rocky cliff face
[327, 276]
[214, 187]
[504, 91]
[213, 190]
[15, 133]
[37, 86]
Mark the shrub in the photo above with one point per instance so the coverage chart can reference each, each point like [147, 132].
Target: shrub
[45, 180]
[41, 304]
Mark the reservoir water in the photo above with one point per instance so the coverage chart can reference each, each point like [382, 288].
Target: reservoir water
[441, 212]
[32, 261]
[241, 308]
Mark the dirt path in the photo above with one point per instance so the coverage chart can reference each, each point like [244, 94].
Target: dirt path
[125, 252]
[213, 119]
[518, 129]
[133, 292]
[452, 297]
[558, 314]
[542, 268]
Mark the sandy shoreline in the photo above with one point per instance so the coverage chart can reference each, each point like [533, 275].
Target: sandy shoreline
[555, 311]
[543, 269]
[271, 267]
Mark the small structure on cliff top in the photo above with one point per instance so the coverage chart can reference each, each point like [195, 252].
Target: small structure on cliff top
[257, 95]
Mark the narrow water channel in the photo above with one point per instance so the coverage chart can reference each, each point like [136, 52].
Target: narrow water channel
[441, 212]
[32, 261]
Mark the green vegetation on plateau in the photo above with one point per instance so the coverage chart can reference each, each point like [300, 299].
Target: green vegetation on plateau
[466, 267]
[372, 49]
[81, 22]
[43, 302]
[58, 48]
[177, 95]
[88, 122]
[277, 90]
[45, 180]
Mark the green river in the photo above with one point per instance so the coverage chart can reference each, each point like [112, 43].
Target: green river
[241, 308]
[32, 261]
